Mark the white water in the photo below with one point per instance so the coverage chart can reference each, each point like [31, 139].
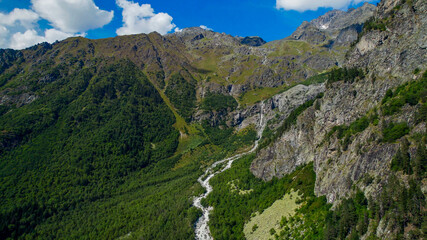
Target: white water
[202, 228]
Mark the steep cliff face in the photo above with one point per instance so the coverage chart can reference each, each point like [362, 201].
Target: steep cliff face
[389, 56]
[394, 41]
[335, 28]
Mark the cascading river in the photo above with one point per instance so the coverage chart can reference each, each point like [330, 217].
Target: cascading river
[202, 227]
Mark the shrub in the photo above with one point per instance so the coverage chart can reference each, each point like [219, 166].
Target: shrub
[218, 102]
[394, 131]
[374, 24]
[345, 74]
[409, 93]
[417, 70]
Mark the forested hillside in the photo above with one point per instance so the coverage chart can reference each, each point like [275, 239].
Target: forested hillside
[107, 138]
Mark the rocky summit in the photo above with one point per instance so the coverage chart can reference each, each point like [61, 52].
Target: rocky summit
[199, 134]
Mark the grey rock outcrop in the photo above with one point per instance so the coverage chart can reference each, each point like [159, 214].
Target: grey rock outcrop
[337, 27]
[389, 57]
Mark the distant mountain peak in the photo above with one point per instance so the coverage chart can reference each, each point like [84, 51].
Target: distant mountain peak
[253, 41]
[329, 25]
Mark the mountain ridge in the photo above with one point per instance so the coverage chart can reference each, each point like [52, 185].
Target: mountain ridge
[118, 130]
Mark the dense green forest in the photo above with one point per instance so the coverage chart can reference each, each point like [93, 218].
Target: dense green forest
[94, 157]
[218, 102]
[87, 136]
[182, 94]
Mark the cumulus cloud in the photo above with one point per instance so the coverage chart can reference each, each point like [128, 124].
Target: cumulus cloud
[31, 37]
[72, 15]
[142, 19]
[17, 21]
[304, 5]
[23, 17]
[20, 29]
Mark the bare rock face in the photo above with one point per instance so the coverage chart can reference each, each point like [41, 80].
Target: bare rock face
[17, 100]
[337, 27]
[389, 57]
[298, 145]
[280, 105]
[291, 150]
[399, 48]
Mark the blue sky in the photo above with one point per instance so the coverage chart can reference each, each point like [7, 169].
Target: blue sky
[27, 22]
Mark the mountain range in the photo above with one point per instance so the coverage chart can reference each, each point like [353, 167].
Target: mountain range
[106, 139]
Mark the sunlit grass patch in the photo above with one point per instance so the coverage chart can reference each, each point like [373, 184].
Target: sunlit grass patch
[259, 227]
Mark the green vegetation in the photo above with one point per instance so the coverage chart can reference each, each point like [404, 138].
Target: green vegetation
[96, 156]
[374, 24]
[409, 93]
[349, 220]
[82, 146]
[218, 102]
[290, 47]
[344, 74]
[259, 94]
[182, 94]
[4, 109]
[359, 125]
[259, 226]
[247, 69]
[223, 136]
[394, 131]
[233, 210]
[401, 207]
[320, 78]
[402, 159]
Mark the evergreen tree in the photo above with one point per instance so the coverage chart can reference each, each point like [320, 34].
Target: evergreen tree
[420, 161]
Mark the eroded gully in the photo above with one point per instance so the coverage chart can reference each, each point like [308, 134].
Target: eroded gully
[202, 227]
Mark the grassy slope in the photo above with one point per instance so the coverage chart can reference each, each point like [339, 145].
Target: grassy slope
[259, 226]
[259, 94]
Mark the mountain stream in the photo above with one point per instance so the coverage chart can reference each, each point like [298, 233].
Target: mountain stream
[202, 227]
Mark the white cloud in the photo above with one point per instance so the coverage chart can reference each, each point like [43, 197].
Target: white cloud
[30, 37]
[23, 17]
[304, 5]
[142, 19]
[177, 29]
[19, 28]
[17, 21]
[72, 15]
[3, 33]
[205, 28]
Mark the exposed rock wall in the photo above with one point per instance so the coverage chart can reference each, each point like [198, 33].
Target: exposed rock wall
[279, 105]
[389, 58]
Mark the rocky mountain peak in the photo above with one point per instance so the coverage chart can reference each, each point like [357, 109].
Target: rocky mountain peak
[192, 30]
[335, 25]
[328, 20]
[337, 19]
[253, 41]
